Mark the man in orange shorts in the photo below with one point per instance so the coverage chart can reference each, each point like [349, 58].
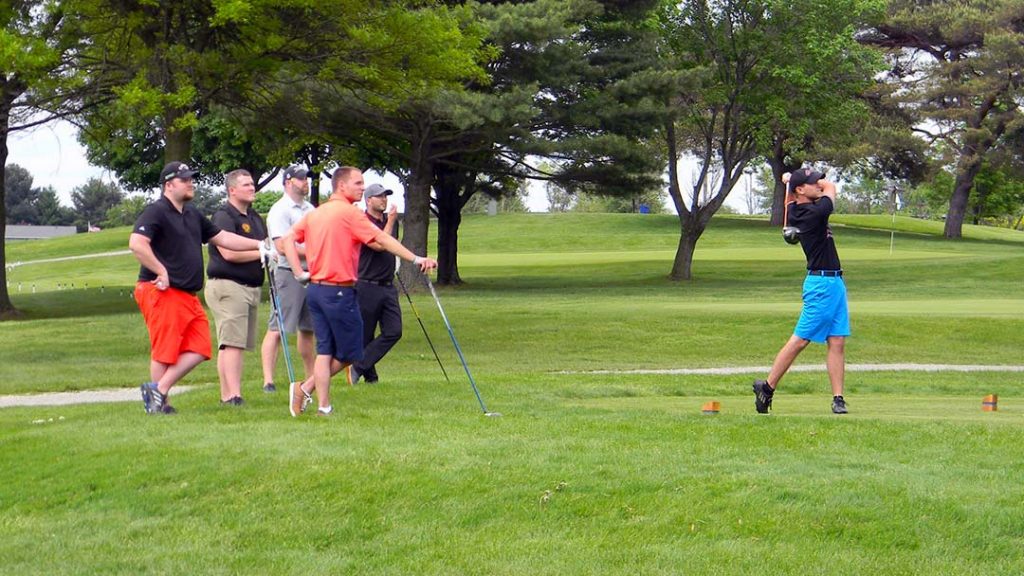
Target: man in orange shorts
[168, 242]
[333, 234]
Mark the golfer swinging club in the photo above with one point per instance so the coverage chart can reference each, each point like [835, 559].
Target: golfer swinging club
[824, 317]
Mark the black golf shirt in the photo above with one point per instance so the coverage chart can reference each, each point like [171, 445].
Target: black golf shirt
[249, 225]
[374, 266]
[177, 240]
[815, 234]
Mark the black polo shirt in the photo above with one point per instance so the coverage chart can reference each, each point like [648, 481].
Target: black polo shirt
[177, 240]
[377, 266]
[250, 225]
[815, 234]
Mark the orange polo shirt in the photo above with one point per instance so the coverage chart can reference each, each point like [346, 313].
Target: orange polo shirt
[333, 234]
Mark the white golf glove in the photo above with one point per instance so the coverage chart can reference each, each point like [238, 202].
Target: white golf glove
[267, 252]
[303, 278]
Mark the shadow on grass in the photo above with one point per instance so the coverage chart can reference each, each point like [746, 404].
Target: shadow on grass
[74, 303]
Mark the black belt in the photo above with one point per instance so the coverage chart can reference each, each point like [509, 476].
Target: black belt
[832, 273]
[384, 283]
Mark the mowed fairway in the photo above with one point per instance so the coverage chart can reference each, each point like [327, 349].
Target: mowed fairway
[586, 472]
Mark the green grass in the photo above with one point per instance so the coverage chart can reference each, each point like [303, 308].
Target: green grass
[585, 473]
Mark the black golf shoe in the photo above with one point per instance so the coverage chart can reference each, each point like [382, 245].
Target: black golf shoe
[763, 396]
[839, 405]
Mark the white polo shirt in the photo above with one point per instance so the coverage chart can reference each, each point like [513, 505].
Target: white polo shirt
[284, 214]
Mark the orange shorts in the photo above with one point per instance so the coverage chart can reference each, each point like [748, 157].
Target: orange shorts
[176, 322]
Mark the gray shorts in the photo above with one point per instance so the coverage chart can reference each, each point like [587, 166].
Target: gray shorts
[294, 308]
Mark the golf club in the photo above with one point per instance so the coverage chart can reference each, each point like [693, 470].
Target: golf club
[458, 349]
[790, 234]
[276, 304]
[418, 319]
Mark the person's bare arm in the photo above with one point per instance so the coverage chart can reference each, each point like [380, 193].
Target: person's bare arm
[142, 248]
[239, 257]
[389, 228]
[279, 244]
[291, 252]
[233, 241]
[828, 189]
[396, 248]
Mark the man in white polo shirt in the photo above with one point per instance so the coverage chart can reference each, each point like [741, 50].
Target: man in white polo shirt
[282, 216]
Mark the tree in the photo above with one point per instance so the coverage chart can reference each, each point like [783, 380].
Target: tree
[958, 64]
[651, 202]
[756, 74]
[92, 200]
[569, 84]
[35, 77]
[506, 203]
[50, 211]
[127, 212]
[416, 111]
[19, 196]
[28, 205]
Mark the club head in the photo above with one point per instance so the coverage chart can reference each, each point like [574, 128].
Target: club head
[791, 234]
[492, 414]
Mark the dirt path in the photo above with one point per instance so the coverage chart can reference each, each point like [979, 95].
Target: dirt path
[132, 394]
[13, 265]
[82, 397]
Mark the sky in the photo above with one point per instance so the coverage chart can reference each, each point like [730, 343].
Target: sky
[52, 154]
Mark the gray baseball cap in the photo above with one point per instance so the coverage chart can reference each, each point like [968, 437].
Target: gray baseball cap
[376, 190]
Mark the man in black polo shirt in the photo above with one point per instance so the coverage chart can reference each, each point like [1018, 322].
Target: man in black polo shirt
[375, 289]
[168, 242]
[233, 292]
[824, 317]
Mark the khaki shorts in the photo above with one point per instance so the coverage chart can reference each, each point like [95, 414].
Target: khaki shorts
[234, 312]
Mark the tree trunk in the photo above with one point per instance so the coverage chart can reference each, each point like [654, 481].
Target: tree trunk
[961, 194]
[958, 206]
[417, 208]
[449, 203]
[682, 266]
[313, 158]
[179, 140]
[7, 309]
[448, 248]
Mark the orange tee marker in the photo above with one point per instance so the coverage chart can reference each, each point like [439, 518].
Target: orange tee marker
[990, 403]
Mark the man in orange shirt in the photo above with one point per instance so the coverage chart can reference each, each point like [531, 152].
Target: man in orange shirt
[333, 235]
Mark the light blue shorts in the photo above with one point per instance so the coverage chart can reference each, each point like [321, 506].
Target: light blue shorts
[825, 312]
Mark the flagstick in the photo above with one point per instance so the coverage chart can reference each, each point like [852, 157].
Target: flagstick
[892, 232]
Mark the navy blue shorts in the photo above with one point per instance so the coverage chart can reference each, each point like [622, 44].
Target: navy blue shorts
[337, 322]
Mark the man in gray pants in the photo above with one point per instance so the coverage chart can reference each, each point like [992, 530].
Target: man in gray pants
[282, 216]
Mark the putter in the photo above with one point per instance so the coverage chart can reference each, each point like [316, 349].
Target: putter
[458, 349]
[414, 311]
[276, 304]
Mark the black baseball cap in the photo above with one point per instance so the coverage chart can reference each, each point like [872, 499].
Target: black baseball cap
[376, 190]
[295, 172]
[176, 170]
[804, 176]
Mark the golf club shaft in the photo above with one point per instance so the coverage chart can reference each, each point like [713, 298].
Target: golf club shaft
[276, 304]
[458, 349]
[424, 328]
